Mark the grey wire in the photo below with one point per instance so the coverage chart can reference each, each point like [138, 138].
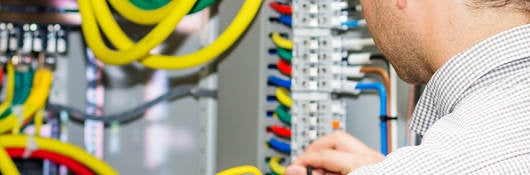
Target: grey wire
[136, 112]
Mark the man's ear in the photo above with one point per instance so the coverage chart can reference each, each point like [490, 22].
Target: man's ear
[401, 4]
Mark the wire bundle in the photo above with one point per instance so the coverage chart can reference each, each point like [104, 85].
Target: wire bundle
[281, 132]
[96, 14]
[19, 111]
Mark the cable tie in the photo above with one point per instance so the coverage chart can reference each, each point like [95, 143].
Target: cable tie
[31, 146]
[18, 110]
[387, 118]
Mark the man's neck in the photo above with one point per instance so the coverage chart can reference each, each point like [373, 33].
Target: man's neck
[464, 32]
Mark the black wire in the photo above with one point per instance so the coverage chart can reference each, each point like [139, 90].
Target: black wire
[136, 112]
[309, 170]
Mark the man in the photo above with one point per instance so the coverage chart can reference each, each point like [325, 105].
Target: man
[474, 115]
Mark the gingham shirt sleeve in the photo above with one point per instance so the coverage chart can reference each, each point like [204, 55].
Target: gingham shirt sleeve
[481, 139]
[474, 114]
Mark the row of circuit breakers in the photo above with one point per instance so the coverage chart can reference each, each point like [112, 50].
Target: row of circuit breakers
[314, 58]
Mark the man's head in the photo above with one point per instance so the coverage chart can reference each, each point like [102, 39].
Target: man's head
[419, 36]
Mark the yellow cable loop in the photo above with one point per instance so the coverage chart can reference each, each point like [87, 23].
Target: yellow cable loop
[275, 165]
[37, 99]
[94, 11]
[283, 96]
[240, 170]
[281, 42]
[6, 164]
[65, 149]
[10, 88]
[139, 16]
[120, 40]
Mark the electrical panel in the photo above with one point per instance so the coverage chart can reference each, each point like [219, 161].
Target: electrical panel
[296, 74]
[317, 62]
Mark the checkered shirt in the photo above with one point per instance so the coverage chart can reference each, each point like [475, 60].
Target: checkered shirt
[474, 114]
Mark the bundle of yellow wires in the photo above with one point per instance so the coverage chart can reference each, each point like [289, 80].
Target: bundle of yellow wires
[36, 100]
[96, 14]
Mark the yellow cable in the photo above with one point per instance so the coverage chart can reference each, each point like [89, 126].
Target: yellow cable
[120, 40]
[65, 149]
[283, 96]
[275, 165]
[16, 126]
[10, 89]
[6, 164]
[139, 16]
[37, 99]
[281, 42]
[38, 121]
[97, 11]
[240, 170]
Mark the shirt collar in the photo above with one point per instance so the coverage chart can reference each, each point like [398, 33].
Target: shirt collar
[447, 85]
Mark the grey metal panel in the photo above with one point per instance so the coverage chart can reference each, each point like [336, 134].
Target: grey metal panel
[241, 83]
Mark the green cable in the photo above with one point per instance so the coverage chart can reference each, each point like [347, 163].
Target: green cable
[18, 85]
[5, 113]
[155, 4]
[27, 82]
[283, 115]
[285, 54]
[23, 83]
[149, 4]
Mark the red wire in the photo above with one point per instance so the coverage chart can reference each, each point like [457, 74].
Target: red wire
[1, 76]
[284, 9]
[281, 131]
[72, 165]
[284, 67]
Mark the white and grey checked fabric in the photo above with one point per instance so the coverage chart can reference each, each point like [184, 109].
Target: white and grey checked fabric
[474, 114]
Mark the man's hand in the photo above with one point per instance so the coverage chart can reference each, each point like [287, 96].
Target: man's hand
[337, 153]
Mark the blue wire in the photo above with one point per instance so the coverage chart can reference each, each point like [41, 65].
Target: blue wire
[354, 23]
[279, 82]
[286, 19]
[280, 146]
[383, 112]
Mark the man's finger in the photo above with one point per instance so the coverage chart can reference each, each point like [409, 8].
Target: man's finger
[332, 161]
[299, 170]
